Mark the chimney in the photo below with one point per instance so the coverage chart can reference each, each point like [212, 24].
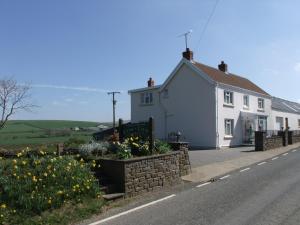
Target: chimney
[223, 67]
[150, 82]
[188, 54]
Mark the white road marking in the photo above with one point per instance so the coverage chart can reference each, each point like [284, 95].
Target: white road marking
[259, 164]
[285, 154]
[132, 210]
[294, 150]
[245, 169]
[225, 177]
[275, 158]
[201, 185]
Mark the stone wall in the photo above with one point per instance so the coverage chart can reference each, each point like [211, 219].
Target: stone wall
[273, 142]
[295, 138]
[151, 173]
[263, 143]
[144, 174]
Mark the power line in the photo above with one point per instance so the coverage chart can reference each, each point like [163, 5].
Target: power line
[207, 22]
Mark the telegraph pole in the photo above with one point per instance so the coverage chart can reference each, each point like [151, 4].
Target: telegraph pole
[113, 93]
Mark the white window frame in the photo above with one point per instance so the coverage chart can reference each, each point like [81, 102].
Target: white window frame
[246, 97]
[261, 103]
[230, 123]
[147, 98]
[166, 93]
[228, 97]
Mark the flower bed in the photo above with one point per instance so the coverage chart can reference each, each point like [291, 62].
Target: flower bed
[31, 184]
[138, 175]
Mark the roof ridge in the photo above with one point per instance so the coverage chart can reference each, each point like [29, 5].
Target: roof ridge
[229, 78]
[233, 74]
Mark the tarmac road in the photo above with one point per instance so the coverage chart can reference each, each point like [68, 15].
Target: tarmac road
[265, 193]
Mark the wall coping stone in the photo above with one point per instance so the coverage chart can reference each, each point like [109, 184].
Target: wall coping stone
[140, 158]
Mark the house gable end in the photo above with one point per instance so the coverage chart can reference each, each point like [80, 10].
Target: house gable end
[190, 66]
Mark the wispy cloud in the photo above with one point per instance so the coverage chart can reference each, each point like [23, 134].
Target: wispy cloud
[87, 89]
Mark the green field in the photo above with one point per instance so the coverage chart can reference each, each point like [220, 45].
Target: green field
[38, 132]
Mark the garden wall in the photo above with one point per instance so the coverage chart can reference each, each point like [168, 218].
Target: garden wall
[144, 174]
[263, 143]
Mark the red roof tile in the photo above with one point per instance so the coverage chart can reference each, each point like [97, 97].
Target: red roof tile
[229, 78]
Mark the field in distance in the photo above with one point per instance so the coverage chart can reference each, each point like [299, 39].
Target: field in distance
[38, 132]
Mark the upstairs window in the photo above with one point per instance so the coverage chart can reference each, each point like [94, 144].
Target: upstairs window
[228, 97]
[261, 104]
[166, 93]
[298, 123]
[147, 98]
[246, 101]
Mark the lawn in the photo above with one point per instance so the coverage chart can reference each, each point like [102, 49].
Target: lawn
[37, 132]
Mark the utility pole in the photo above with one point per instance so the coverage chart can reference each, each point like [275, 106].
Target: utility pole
[113, 93]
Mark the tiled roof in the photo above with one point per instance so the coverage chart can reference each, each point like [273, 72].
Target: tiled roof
[285, 106]
[229, 78]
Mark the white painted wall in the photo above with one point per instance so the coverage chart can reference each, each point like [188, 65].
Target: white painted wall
[292, 119]
[141, 113]
[226, 112]
[191, 108]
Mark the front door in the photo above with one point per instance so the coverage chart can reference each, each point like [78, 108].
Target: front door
[262, 123]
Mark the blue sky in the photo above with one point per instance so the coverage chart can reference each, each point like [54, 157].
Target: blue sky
[73, 51]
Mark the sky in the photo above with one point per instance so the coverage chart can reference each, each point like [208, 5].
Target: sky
[73, 51]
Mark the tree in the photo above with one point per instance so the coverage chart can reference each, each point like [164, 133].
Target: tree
[13, 98]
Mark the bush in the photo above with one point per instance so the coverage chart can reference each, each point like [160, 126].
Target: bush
[35, 184]
[162, 147]
[93, 148]
[123, 150]
[73, 143]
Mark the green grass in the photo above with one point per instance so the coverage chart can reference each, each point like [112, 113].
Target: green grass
[69, 213]
[36, 132]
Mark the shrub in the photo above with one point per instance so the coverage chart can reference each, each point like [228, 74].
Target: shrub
[35, 184]
[93, 148]
[123, 151]
[73, 143]
[162, 147]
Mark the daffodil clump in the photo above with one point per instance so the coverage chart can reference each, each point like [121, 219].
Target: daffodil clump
[136, 146]
[31, 185]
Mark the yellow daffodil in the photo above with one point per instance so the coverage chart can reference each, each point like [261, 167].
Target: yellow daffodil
[3, 206]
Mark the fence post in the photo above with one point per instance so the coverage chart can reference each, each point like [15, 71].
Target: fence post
[59, 148]
[151, 134]
[121, 133]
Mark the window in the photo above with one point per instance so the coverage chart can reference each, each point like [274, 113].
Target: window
[228, 127]
[246, 101]
[298, 123]
[166, 93]
[261, 103]
[228, 97]
[146, 98]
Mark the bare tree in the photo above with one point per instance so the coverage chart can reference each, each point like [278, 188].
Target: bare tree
[13, 98]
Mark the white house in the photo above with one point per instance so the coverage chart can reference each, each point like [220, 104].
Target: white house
[282, 109]
[211, 107]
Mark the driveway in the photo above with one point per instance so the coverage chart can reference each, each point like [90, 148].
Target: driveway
[204, 157]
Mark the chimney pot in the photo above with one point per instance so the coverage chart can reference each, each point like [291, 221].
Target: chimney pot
[223, 67]
[188, 54]
[150, 82]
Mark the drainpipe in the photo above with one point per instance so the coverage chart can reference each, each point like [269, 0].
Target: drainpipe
[165, 114]
[217, 117]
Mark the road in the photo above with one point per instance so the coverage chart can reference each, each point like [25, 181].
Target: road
[266, 193]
